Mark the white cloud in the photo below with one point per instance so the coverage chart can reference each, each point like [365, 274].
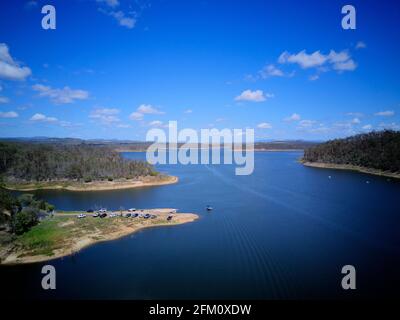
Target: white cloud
[105, 115]
[390, 126]
[303, 59]
[156, 123]
[254, 96]
[367, 127]
[144, 109]
[136, 116]
[355, 121]
[110, 3]
[123, 20]
[9, 68]
[4, 100]
[39, 117]
[64, 95]
[339, 61]
[188, 111]
[293, 117]
[124, 126]
[355, 114]
[264, 125]
[307, 123]
[148, 109]
[271, 71]
[361, 45]
[31, 4]
[8, 114]
[387, 113]
[314, 77]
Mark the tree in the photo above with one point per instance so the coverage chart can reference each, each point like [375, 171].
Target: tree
[25, 219]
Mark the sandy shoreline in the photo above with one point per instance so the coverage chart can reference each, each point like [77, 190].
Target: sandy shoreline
[96, 185]
[352, 168]
[122, 227]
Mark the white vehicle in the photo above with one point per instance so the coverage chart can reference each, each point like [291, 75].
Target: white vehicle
[132, 209]
[113, 215]
[80, 216]
[102, 210]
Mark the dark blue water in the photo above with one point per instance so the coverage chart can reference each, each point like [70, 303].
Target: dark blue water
[283, 232]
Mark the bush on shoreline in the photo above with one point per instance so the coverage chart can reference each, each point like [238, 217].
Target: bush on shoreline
[377, 150]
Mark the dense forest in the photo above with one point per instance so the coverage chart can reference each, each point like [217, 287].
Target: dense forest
[33, 162]
[377, 150]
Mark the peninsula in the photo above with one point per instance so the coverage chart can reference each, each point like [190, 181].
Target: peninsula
[66, 232]
[76, 167]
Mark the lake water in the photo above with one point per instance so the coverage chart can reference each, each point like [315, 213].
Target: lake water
[283, 232]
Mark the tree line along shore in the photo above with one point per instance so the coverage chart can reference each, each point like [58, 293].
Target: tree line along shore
[375, 153]
[29, 166]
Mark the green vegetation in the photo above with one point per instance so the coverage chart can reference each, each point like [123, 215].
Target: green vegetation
[19, 215]
[22, 162]
[376, 150]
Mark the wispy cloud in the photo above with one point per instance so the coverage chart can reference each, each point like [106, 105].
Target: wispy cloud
[387, 113]
[360, 45]
[253, 96]
[9, 68]
[293, 117]
[105, 115]
[157, 124]
[148, 109]
[123, 19]
[39, 117]
[367, 127]
[110, 3]
[339, 61]
[270, 71]
[143, 109]
[4, 100]
[61, 96]
[136, 116]
[264, 125]
[9, 114]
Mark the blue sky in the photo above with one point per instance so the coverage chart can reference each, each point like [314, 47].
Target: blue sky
[116, 68]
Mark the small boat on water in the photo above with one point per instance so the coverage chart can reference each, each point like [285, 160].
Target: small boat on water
[209, 208]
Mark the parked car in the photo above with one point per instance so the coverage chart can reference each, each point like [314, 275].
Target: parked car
[89, 210]
[95, 215]
[128, 215]
[103, 215]
[146, 216]
[131, 209]
[135, 215]
[80, 216]
[153, 216]
[169, 218]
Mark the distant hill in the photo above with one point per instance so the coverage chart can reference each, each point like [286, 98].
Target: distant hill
[375, 150]
[130, 145]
